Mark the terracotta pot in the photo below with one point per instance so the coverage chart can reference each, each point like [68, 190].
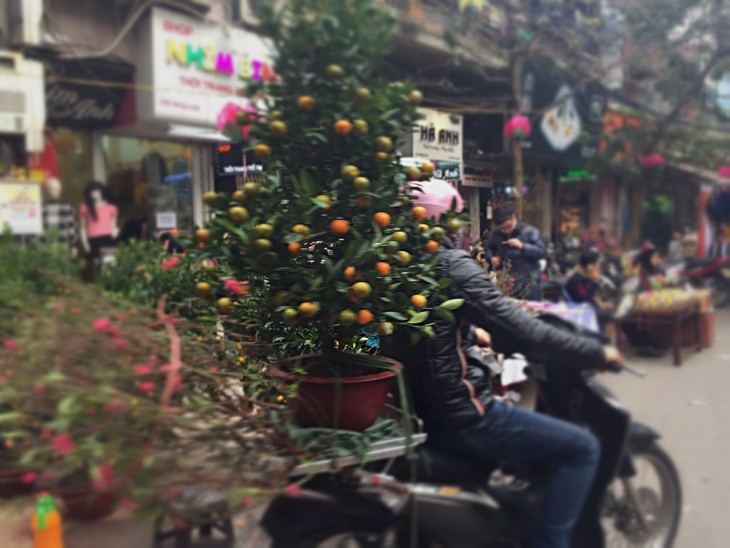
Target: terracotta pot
[87, 504]
[11, 484]
[361, 398]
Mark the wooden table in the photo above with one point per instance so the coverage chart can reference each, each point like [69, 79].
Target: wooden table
[673, 319]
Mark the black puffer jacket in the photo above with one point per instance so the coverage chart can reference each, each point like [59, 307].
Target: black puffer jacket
[451, 388]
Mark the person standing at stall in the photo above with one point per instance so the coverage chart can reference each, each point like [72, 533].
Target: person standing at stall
[520, 247]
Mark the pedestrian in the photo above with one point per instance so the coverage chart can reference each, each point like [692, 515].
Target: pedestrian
[583, 286]
[519, 247]
[676, 248]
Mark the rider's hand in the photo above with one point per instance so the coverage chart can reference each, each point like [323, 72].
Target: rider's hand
[516, 243]
[496, 262]
[483, 338]
[612, 356]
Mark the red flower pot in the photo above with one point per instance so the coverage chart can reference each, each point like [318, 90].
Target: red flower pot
[12, 484]
[87, 504]
[361, 398]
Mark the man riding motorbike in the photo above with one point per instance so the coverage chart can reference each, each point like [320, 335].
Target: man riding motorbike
[452, 390]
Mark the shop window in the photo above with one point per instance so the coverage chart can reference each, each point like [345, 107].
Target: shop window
[151, 184]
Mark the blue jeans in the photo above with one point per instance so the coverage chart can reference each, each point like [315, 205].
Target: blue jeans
[508, 433]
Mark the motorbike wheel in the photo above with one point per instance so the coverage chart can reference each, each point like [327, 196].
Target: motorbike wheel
[720, 293]
[659, 502]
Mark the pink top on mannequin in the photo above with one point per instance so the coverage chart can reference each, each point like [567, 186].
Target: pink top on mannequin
[103, 225]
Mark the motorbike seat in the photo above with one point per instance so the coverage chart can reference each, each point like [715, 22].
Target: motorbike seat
[436, 465]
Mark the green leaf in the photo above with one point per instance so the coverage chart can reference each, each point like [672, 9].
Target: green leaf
[420, 317]
[292, 237]
[429, 332]
[66, 405]
[10, 417]
[452, 304]
[445, 314]
[429, 280]
[230, 227]
[397, 316]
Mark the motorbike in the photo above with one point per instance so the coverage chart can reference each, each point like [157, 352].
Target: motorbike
[428, 497]
[712, 274]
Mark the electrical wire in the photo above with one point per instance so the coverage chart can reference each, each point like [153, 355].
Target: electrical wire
[129, 25]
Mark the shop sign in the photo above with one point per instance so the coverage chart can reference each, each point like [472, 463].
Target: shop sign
[478, 176]
[231, 160]
[20, 207]
[438, 136]
[572, 121]
[193, 68]
[79, 94]
[447, 171]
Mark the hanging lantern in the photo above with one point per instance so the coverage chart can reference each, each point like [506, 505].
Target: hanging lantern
[723, 172]
[652, 160]
[518, 127]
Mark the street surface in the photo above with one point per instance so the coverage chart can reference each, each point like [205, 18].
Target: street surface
[689, 405]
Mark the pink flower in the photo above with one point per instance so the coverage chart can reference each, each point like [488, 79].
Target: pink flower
[115, 407]
[652, 160]
[170, 263]
[101, 324]
[233, 286]
[104, 477]
[293, 490]
[29, 477]
[75, 310]
[39, 388]
[142, 369]
[165, 368]
[214, 369]
[173, 319]
[46, 435]
[63, 444]
[228, 115]
[128, 504]
[114, 332]
[122, 344]
[147, 387]
[11, 345]
[247, 501]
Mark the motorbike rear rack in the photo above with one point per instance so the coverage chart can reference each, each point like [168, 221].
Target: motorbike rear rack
[380, 450]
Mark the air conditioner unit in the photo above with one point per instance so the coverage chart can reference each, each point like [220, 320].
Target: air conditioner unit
[22, 99]
[22, 20]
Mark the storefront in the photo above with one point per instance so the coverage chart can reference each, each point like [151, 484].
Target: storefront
[160, 158]
[565, 138]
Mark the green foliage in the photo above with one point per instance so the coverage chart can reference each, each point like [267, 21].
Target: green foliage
[25, 267]
[97, 390]
[142, 273]
[310, 232]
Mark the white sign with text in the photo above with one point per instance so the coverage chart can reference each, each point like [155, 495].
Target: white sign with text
[438, 136]
[190, 70]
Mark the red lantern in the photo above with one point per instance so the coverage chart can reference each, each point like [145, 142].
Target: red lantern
[652, 160]
[723, 172]
[518, 127]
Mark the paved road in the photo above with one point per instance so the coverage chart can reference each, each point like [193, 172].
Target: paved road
[690, 406]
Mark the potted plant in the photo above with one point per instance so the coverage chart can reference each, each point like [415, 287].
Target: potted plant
[122, 403]
[329, 242]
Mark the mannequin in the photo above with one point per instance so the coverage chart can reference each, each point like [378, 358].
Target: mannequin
[98, 220]
[58, 216]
